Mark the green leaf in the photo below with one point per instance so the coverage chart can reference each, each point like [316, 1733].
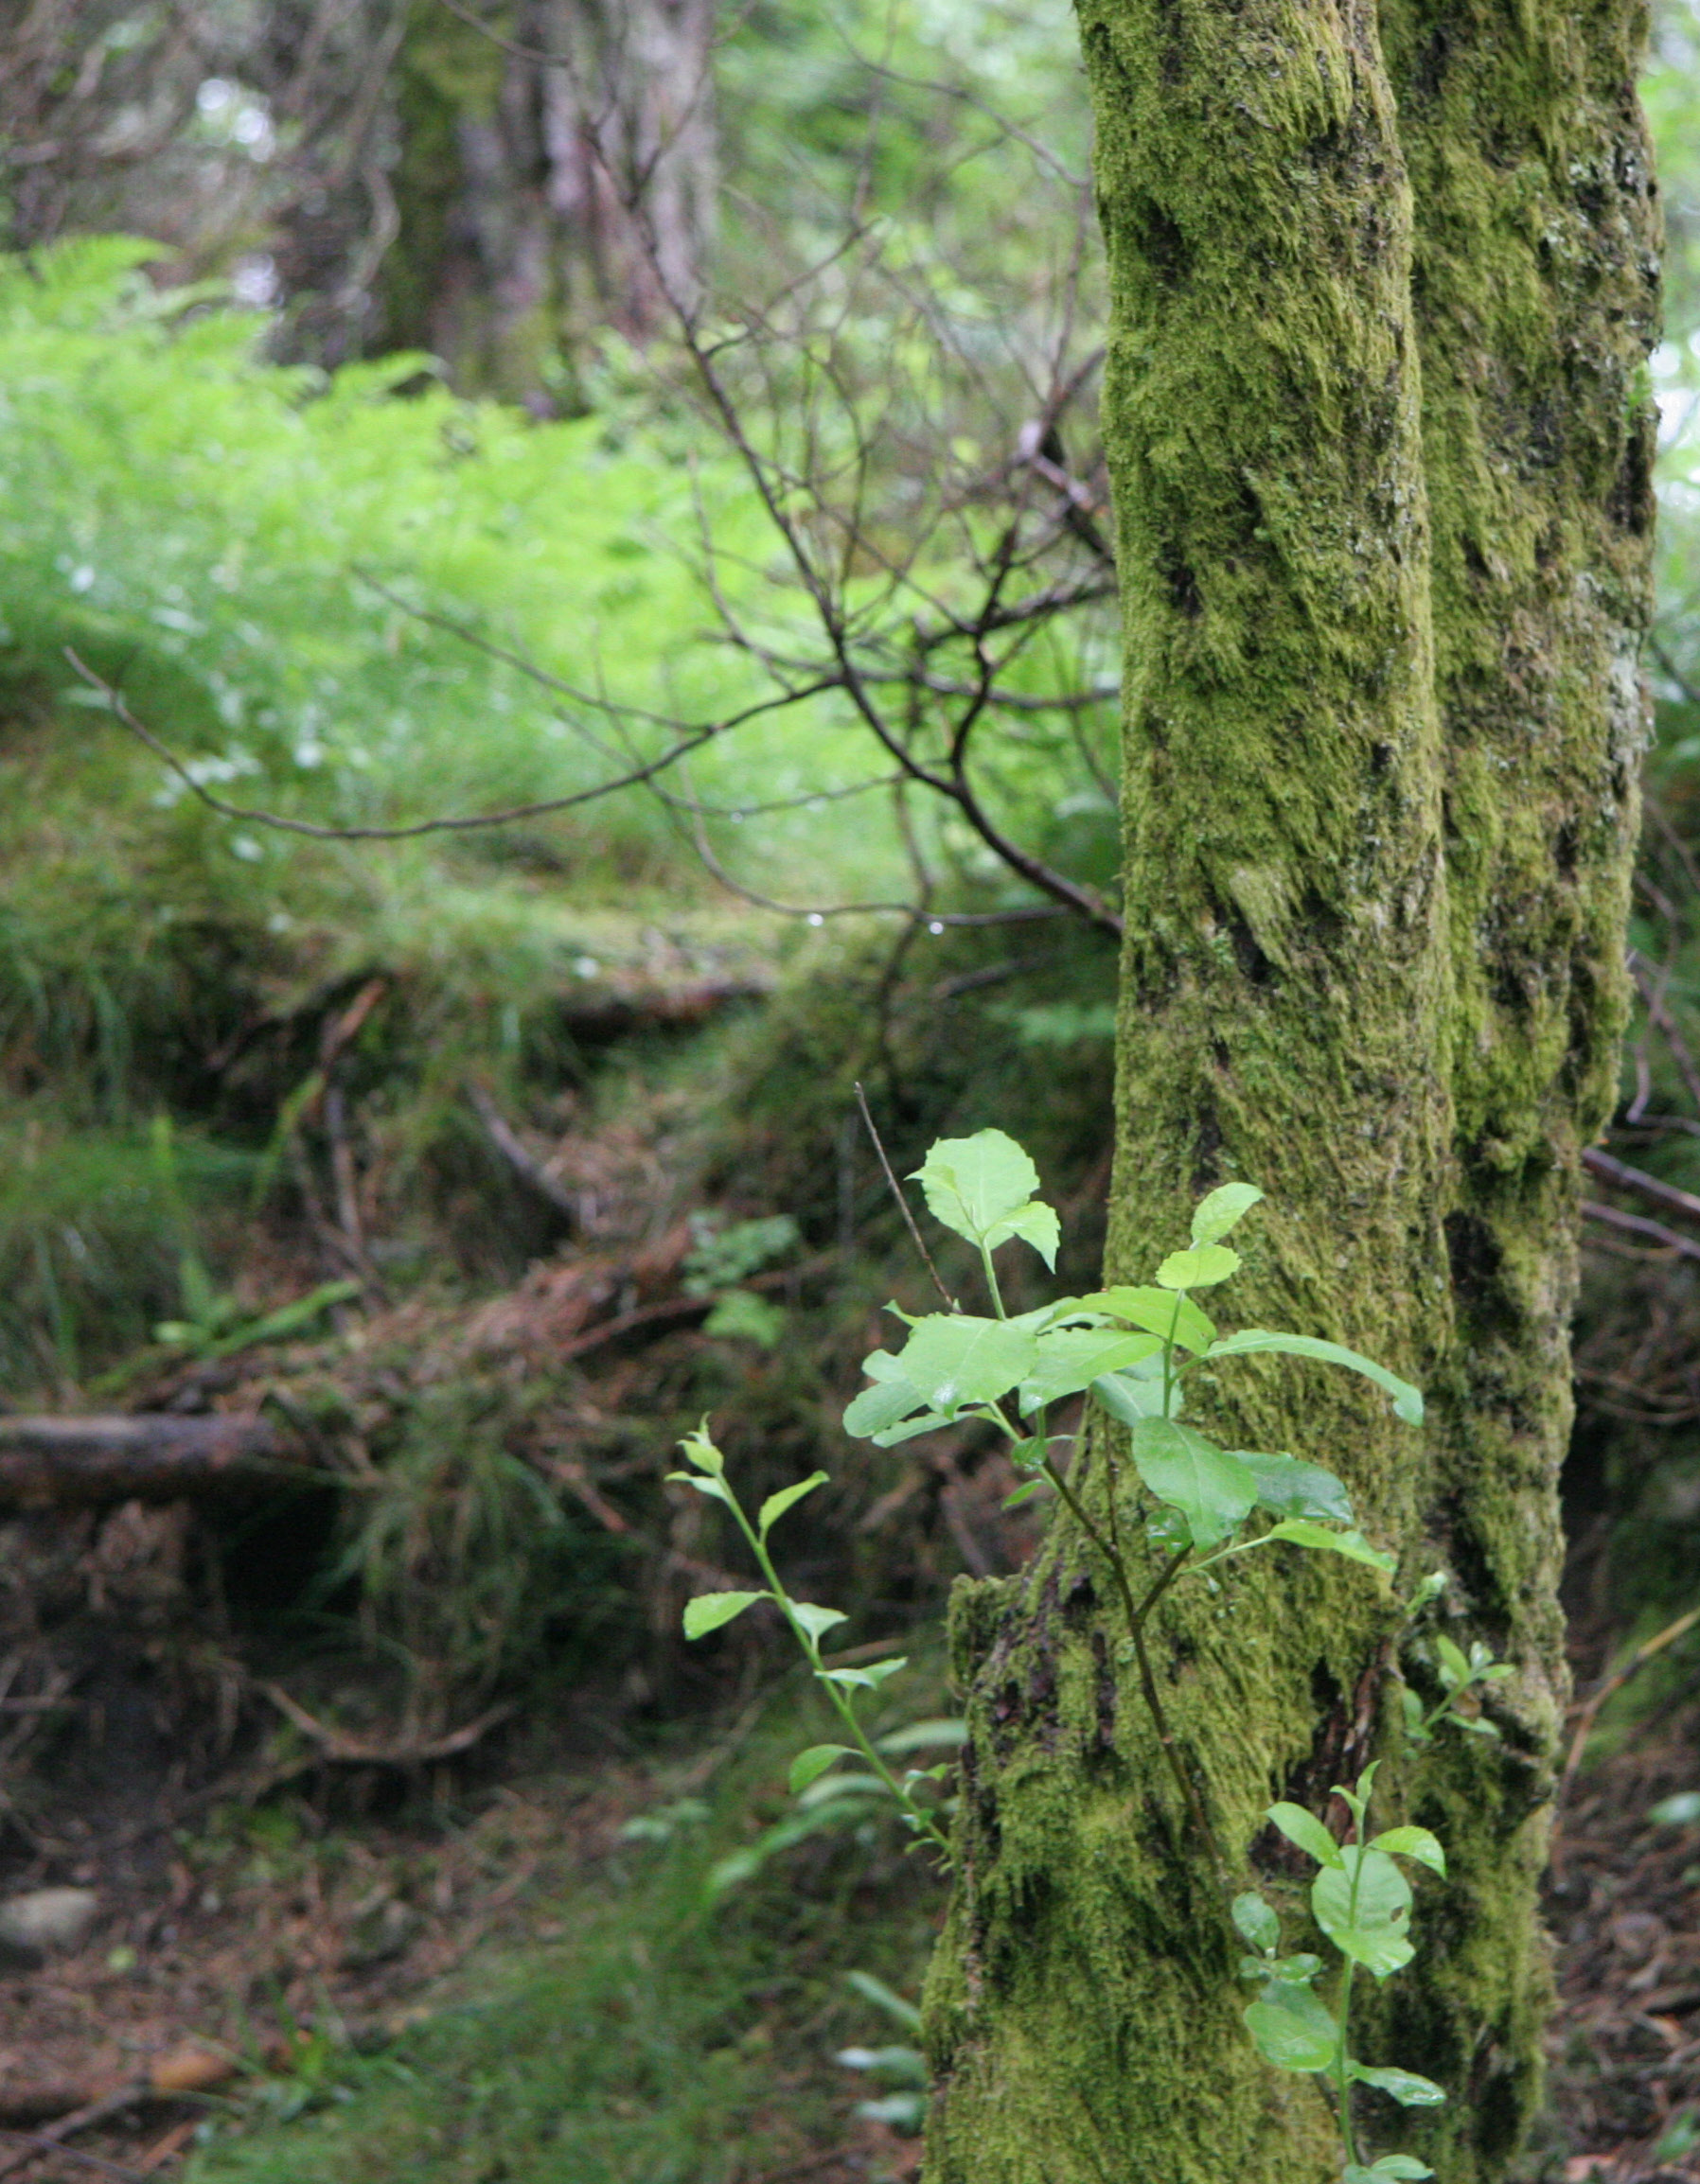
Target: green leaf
[972, 1184]
[700, 1450]
[709, 1610]
[1391, 2168]
[1213, 1490]
[1455, 1670]
[1071, 1358]
[809, 1766]
[955, 1359]
[717, 1490]
[1371, 1931]
[1412, 1842]
[1025, 1493]
[1257, 1924]
[817, 1620]
[1307, 1831]
[924, 1736]
[1131, 1396]
[1292, 1489]
[1293, 2029]
[868, 1679]
[1029, 1455]
[1036, 1225]
[1201, 1268]
[1409, 2087]
[890, 1397]
[1252, 1341]
[1157, 1311]
[1351, 1545]
[883, 1998]
[787, 1497]
[928, 1422]
[1682, 1810]
[1223, 1209]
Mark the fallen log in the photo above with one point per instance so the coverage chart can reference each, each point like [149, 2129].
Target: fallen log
[76, 1462]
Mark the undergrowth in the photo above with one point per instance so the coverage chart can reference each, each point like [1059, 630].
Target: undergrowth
[664, 2031]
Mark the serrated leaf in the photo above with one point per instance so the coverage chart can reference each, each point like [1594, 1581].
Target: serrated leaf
[1071, 1358]
[1293, 1489]
[1356, 1548]
[1025, 1493]
[955, 1359]
[1212, 1489]
[1409, 2087]
[881, 1671]
[710, 1611]
[1412, 1842]
[787, 1498]
[1222, 1209]
[817, 1620]
[1201, 1267]
[809, 1766]
[1036, 1225]
[971, 1184]
[1293, 2029]
[1371, 1928]
[1305, 1830]
[1157, 1311]
[1257, 1340]
[1256, 1923]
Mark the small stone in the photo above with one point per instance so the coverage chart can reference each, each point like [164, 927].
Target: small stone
[44, 1919]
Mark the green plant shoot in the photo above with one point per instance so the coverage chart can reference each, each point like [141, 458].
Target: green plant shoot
[808, 1623]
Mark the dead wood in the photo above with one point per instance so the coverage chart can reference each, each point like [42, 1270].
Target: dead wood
[74, 1462]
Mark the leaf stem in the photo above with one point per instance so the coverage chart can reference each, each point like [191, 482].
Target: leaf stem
[917, 1816]
[1137, 1613]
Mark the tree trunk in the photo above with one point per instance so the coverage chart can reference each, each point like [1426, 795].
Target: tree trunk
[1379, 293]
[555, 183]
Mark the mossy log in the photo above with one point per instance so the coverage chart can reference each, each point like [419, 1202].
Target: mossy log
[76, 1462]
[1382, 286]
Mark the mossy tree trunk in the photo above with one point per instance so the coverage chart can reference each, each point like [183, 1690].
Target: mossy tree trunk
[550, 185]
[1382, 283]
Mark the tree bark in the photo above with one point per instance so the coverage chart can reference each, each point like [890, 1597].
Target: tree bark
[1380, 289]
[553, 183]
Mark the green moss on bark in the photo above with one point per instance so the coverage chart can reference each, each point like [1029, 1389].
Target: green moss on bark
[1379, 288]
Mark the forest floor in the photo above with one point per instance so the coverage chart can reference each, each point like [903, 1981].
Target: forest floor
[271, 1961]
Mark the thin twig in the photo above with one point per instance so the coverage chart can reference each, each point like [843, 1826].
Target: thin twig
[457, 823]
[1612, 1686]
[903, 1207]
[40, 2142]
[1638, 1225]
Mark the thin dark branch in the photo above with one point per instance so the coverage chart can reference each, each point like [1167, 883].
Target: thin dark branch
[903, 1204]
[1637, 1224]
[459, 822]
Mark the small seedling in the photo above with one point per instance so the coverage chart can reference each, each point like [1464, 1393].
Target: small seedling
[808, 1623]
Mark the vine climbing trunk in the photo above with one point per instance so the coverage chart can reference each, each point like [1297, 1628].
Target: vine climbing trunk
[1382, 282]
